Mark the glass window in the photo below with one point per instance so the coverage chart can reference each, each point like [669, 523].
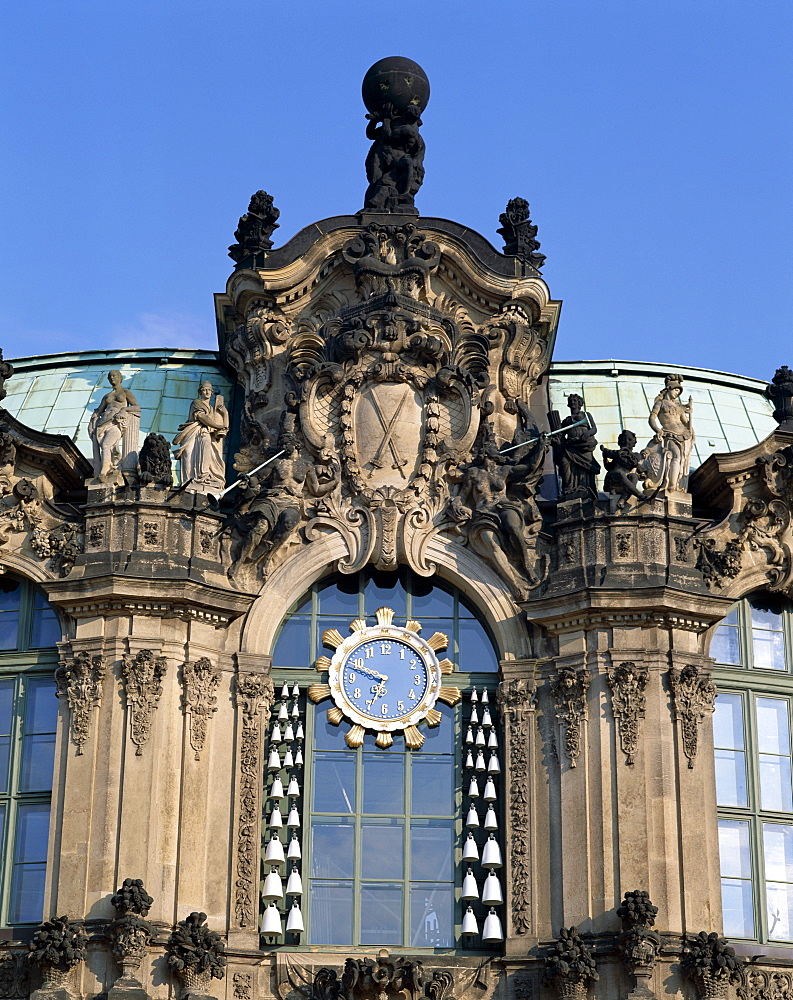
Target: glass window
[380, 827]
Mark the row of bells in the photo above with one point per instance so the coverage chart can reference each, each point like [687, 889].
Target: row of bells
[274, 887]
[271, 921]
[492, 932]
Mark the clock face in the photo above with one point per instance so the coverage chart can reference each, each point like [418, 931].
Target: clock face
[385, 679]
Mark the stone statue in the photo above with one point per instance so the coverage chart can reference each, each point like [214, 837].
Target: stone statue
[780, 391]
[395, 92]
[154, 462]
[667, 458]
[573, 451]
[324, 475]
[114, 429]
[199, 443]
[520, 233]
[622, 479]
[6, 371]
[255, 229]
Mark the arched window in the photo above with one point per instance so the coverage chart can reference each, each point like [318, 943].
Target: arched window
[381, 829]
[754, 781]
[28, 710]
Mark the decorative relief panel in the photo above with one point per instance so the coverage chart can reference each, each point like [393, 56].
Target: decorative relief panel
[569, 690]
[143, 674]
[628, 702]
[200, 681]
[79, 679]
[694, 695]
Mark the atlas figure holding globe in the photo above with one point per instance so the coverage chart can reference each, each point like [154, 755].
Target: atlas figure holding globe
[395, 92]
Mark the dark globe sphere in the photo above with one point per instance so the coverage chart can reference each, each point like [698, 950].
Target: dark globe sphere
[396, 81]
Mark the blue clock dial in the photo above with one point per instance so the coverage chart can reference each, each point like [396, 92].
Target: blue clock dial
[384, 678]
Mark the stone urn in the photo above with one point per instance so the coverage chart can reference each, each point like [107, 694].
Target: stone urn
[196, 956]
[570, 966]
[710, 964]
[57, 946]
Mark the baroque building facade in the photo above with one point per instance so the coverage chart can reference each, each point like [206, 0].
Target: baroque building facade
[391, 658]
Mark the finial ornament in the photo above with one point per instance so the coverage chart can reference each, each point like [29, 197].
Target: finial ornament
[780, 391]
[520, 233]
[395, 91]
[254, 231]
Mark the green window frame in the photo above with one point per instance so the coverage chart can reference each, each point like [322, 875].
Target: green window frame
[753, 747]
[398, 822]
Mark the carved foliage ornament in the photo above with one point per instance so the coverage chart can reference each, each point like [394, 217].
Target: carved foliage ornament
[130, 934]
[14, 975]
[254, 697]
[694, 695]
[514, 701]
[766, 984]
[570, 964]
[366, 978]
[569, 690]
[201, 681]
[710, 963]
[628, 702]
[143, 674]
[638, 944]
[79, 679]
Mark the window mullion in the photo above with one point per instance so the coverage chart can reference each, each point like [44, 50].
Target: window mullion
[357, 884]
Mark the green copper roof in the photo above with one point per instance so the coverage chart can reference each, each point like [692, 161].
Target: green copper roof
[58, 392]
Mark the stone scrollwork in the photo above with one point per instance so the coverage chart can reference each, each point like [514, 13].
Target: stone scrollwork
[694, 695]
[201, 681]
[382, 977]
[79, 679]
[143, 674]
[569, 690]
[514, 702]
[628, 701]
[51, 537]
[14, 975]
[254, 697]
[765, 984]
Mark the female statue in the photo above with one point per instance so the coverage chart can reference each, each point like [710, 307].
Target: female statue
[114, 429]
[667, 457]
[199, 443]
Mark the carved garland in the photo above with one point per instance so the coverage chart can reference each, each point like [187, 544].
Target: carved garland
[569, 689]
[201, 680]
[628, 702]
[79, 680]
[694, 695]
[514, 699]
[254, 697]
[142, 675]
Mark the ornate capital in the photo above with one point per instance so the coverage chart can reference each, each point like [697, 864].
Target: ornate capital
[694, 695]
[569, 690]
[200, 681]
[142, 675]
[79, 679]
[627, 682]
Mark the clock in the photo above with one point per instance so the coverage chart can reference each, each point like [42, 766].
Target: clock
[384, 678]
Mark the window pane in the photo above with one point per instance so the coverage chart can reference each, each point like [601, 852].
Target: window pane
[476, 649]
[432, 786]
[431, 916]
[768, 650]
[766, 619]
[440, 738]
[381, 914]
[27, 894]
[38, 756]
[323, 624]
[382, 848]
[430, 600]
[6, 704]
[383, 783]
[326, 735]
[780, 907]
[331, 913]
[734, 854]
[10, 593]
[9, 629]
[41, 706]
[728, 722]
[736, 904]
[725, 646]
[778, 848]
[772, 726]
[30, 855]
[291, 648]
[46, 630]
[334, 782]
[340, 597]
[5, 747]
[730, 778]
[332, 848]
[384, 589]
[432, 850]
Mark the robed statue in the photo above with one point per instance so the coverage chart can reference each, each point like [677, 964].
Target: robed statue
[198, 444]
[114, 429]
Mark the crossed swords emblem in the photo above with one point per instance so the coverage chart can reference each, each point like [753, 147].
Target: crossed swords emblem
[388, 442]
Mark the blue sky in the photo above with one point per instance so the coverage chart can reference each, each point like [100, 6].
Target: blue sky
[654, 141]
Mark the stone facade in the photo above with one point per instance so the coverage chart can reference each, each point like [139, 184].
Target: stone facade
[392, 376]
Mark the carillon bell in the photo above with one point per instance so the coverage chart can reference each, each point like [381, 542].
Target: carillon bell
[288, 759]
[492, 932]
[276, 735]
[470, 850]
[274, 760]
[289, 735]
[294, 885]
[295, 690]
[485, 698]
[274, 855]
[472, 819]
[469, 760]
[283, 714]
[470, 926]
[473, 789]
[294, 816]
[299, 733]
[491, 891]
[493, 765]
[294, 788]
[273, 887]
[294, 922]
[492, 740]
[285, 690]
[486, 720]
[490, 791]
[299, 758]
[480, 737]
[276, 819]
[474, 695]
[271, 924]
[277, 791]
[469, 736]
[474, 716]
[294, 853]
[491, 820]
[491, 855]
[470, 888]
[295, 711]
[480, 762]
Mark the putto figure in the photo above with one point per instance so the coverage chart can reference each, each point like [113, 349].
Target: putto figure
[114, 429]
[199, 443]
[622, 479]
[574, 451]
[667, 457]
